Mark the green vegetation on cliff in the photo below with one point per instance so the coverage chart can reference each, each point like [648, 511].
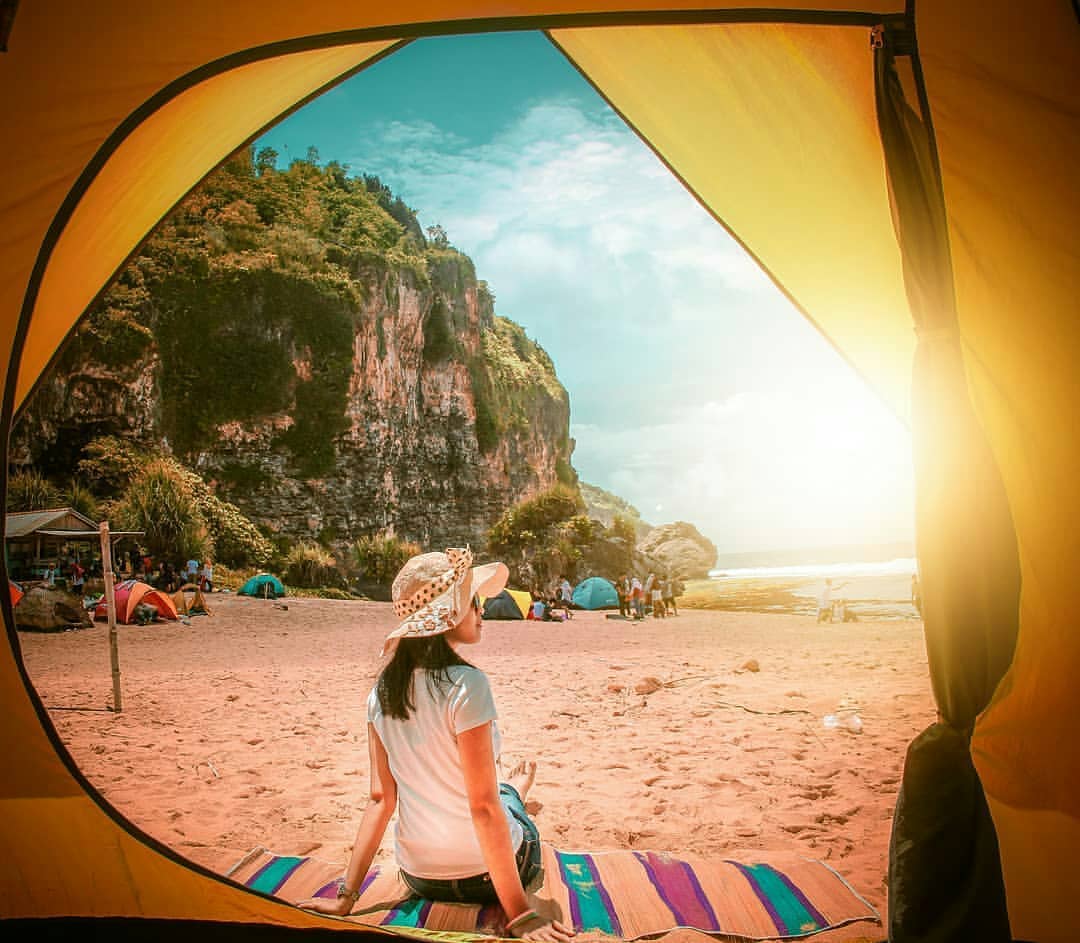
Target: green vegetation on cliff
[512, 378]
[251, 291]
[249, 338]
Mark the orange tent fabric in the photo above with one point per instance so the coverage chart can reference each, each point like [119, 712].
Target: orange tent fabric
[132, 592]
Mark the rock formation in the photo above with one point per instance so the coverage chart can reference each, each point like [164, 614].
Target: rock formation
[680, 549]
[47, 609]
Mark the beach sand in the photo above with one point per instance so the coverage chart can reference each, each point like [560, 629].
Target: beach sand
[248, 728]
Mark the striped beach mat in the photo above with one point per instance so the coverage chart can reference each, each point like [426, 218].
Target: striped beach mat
[627, 894]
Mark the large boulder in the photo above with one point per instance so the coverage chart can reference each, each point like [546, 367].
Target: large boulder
[47, 609]
[680, 549]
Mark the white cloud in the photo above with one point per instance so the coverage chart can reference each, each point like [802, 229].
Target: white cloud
[694, 384]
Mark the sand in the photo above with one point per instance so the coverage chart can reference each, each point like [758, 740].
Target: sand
[248, 728]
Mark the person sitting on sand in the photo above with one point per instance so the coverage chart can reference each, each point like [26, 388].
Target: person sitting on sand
[433, 741]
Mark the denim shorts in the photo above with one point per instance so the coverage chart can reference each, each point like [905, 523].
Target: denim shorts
[478, 888]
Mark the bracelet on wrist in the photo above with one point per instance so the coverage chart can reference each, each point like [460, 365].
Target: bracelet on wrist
[522, 918]
[343, 891]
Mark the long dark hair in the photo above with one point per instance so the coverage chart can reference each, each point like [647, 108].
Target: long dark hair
[433, 653]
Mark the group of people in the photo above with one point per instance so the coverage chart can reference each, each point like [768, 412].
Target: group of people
[167, 577]
[833, 610]
[656, 595]
[71, 570]
[555, 605]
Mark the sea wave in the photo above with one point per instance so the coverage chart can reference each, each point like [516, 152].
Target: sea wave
[901, 566]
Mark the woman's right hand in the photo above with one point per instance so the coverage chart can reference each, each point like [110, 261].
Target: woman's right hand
[334, 906]
[544, 931]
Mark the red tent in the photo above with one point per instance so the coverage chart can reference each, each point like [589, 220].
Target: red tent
[132, 592]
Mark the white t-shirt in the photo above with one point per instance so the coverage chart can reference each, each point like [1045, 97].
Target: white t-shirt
[434, 835]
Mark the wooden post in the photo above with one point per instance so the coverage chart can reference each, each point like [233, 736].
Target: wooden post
[110, 608]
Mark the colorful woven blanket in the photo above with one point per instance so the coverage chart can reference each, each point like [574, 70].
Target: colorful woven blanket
[627, 894]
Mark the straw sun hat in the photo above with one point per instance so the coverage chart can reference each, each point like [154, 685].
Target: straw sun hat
[433, 590]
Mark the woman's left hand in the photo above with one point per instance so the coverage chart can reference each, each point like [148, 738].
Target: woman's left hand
[336, 907]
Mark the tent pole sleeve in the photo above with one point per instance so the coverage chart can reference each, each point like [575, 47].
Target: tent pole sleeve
[945, 878]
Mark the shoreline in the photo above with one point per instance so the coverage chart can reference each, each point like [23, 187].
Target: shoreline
[872, 597]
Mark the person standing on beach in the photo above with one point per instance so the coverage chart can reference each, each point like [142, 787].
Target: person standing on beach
[824, 604]
[657, 599]
[622, 589]
[460, 835]
[566, 596]
[636, 600]
[667, 587]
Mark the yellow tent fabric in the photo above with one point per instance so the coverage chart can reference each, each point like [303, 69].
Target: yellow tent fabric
[522, 599]
[716, 100]
[112, 111]
[1008, 135]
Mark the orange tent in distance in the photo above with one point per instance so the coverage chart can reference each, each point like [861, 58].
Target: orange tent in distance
[132, 592]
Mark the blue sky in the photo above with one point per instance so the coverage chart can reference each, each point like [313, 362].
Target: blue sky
[697, 392]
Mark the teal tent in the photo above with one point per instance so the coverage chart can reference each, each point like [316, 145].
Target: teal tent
[595, 593]
[262, 585]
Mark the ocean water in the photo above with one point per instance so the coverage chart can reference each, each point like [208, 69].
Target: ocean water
[874, 591]
[902, 566]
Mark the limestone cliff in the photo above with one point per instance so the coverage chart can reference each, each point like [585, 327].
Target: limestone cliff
[319, 362]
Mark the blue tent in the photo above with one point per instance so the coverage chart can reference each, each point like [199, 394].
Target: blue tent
[595, 593]
[262, 585]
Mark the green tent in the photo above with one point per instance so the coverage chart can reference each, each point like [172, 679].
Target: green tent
[263, 585]
[595, 593]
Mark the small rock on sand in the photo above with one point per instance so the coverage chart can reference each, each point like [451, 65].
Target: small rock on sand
[648, 685]
[751, 665]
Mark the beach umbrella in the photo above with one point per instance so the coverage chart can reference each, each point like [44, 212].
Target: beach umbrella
[917, 204]
[596, 593]
[262, 585]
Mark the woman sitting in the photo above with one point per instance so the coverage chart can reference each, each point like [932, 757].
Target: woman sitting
[434, 743]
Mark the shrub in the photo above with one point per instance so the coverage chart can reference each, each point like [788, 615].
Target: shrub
[380, 556]
[547, 534]
[82, 499]
[110, 463]
[535, 515]
[31, 491]
[565, 473]
[309, 565]
[622, 528]
[237, 541]
[160, 502]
